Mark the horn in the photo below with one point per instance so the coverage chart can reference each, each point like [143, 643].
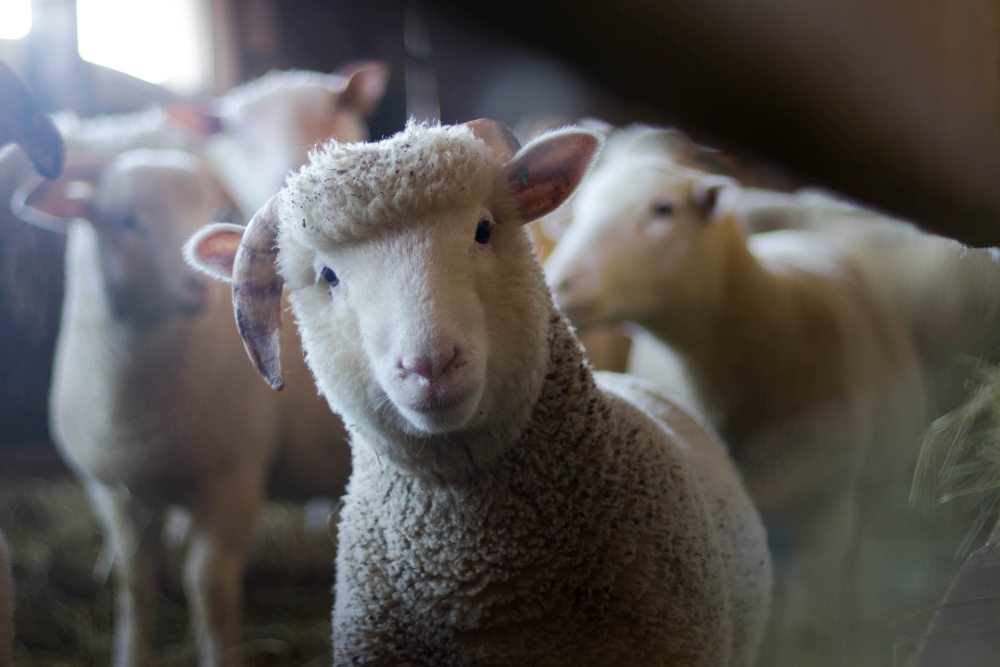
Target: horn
[500, 139]
[22, 122]
[257, 293]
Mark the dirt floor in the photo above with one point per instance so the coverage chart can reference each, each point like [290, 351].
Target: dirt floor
[64, 614]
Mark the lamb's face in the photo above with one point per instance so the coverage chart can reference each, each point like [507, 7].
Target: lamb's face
[636, 241]
[423, 312]
[147, 204]
[411, 330]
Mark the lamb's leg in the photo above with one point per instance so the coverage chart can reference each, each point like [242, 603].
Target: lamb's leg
[133, 534]
[809, 615]
[222, 529]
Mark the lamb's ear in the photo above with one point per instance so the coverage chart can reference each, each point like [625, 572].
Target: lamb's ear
[213, 249]
[366, 82]
[546, 172]
[200, 120]
[712, 196]
[257, 289]
[53, 205]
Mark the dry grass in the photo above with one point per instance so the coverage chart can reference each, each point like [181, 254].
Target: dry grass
[64, 615]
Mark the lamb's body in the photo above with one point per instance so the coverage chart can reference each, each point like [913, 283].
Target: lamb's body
[503, 510]
[814, 384]
[153, 406]
[607, 535]
[941, 291]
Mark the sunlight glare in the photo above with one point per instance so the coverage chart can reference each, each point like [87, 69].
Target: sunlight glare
[160, 41]
[15, 18]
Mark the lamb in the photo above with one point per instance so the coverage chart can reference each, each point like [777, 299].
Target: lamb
[153, 406]
[506, 506]
[268, 122]
[811, 381]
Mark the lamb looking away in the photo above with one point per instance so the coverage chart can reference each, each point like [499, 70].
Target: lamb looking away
[812, 382]
[506, 506]
[153, 404]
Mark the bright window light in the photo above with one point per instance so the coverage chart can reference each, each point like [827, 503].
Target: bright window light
[160, 41]
[15, 18]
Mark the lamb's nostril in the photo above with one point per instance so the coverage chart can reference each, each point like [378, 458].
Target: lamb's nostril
[431, 366]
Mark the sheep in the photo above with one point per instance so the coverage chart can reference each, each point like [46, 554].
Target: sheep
[506, 506]
[268, 122]
[810, 380]
[941, 290]
[151, 405]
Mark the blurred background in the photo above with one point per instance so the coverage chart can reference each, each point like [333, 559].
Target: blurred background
[893, 103]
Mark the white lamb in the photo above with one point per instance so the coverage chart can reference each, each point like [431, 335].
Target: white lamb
[153, 404]
[810, 380]
[268, 123]
[503, 509]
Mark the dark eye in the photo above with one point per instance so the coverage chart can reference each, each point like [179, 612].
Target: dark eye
[483, 231]
[129, 222]
[329, 276]
[662, 209]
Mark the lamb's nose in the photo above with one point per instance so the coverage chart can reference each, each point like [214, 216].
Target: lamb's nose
[431, 366]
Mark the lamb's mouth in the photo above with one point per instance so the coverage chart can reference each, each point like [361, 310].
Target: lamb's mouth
[438, 401]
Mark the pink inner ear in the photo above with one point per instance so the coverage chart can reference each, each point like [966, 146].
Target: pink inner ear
[200, 122]
[218, 250]
[52, 204]
[548, 171]
[366, 84]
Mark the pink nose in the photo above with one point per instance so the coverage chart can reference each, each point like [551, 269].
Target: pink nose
[431, 366]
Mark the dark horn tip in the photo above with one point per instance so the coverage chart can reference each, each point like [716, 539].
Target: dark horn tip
[276, 383]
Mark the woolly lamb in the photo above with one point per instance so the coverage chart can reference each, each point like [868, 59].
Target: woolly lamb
[153, 405]
[503, 509]
[813, 384]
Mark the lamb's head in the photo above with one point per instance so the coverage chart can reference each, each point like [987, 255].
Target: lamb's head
[270, 123]
[421, 307]
[640, 238]
[142, 207]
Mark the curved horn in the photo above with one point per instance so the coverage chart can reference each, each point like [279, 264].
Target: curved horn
[22, 121]
[257, 293]
[500, 139]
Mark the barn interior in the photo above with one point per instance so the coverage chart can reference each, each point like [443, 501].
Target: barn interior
[889, 106]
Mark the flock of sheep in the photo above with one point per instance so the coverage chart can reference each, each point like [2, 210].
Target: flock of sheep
[503, 502]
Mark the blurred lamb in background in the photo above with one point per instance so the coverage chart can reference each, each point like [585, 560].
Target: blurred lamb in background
[137, 408]
[811, 377]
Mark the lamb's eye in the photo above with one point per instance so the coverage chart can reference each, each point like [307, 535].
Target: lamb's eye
[662, 209]
[329, 276]
[483, 231]
[128, 222]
